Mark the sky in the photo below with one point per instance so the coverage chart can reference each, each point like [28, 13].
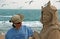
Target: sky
[26, 4]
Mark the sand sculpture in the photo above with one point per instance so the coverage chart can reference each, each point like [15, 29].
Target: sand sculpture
[50, 23]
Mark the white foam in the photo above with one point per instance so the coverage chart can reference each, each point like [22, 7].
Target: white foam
[28, 23]
[35, 25]
[5, 16]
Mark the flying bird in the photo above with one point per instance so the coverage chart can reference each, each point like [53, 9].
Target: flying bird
[29, 1]
[21, 7]
[14, 2]
[58, 1]
[3, 5]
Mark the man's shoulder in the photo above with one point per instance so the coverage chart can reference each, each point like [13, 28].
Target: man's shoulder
[26, 27]
[9, 31]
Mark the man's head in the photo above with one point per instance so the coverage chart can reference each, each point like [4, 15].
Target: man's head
[17, 20]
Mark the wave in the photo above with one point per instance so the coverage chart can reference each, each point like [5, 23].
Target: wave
[28, 23]
[5, 16]
[35, 25]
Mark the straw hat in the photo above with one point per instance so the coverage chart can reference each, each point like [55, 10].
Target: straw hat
[17, 18]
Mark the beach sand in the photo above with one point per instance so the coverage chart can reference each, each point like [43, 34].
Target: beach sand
[2, 36]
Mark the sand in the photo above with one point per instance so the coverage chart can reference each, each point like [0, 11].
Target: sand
[2, 36]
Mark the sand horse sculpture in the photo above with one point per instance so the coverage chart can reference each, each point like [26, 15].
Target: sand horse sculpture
[50, 23]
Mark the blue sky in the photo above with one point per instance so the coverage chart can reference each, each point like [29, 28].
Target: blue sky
[26, 4]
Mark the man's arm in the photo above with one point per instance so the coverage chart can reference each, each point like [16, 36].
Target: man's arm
[30, 33]
[6, 36]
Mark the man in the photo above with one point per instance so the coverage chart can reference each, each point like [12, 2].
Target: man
[18, 31]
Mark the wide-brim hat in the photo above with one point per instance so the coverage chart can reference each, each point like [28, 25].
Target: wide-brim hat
[17, 18]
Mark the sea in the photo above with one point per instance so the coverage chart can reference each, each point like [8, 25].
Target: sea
[31, 19]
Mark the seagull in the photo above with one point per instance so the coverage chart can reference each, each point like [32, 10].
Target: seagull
[29, 1]
[3, 5]
[20, 7]
[14, 2]
[58, 1]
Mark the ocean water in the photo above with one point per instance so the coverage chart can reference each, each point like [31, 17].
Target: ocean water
[30, 15]
[31, 18]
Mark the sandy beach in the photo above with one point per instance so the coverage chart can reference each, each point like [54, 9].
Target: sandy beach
[2, 36]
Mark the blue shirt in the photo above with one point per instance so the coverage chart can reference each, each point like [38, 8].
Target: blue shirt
[23, 33]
